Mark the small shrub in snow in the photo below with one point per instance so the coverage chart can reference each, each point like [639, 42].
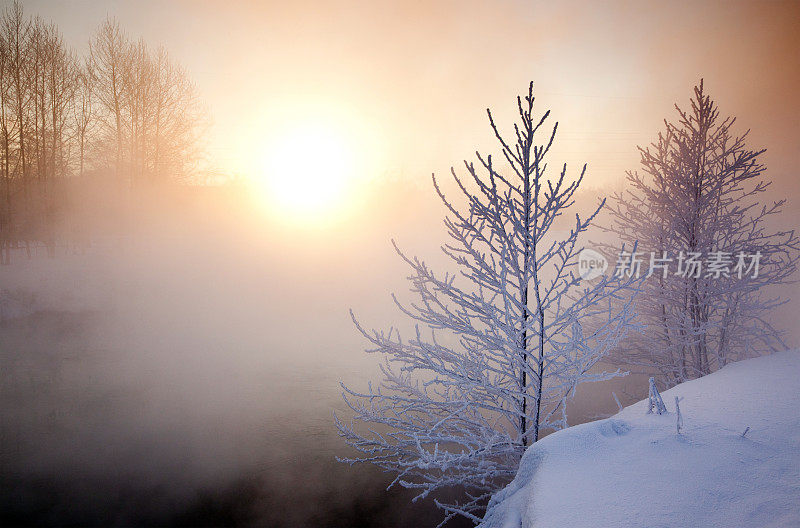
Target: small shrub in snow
[655, 403]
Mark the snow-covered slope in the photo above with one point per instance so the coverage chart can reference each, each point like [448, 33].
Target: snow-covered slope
[634, 470]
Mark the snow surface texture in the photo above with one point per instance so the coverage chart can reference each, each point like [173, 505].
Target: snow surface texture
[634, 470]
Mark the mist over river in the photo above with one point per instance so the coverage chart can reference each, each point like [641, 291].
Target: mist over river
[188, 376]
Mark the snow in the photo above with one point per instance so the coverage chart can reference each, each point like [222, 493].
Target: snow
[634, 470]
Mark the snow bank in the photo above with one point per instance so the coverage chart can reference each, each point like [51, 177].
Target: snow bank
[634, 470]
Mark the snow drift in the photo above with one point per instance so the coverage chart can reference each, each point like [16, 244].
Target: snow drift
[635, 470]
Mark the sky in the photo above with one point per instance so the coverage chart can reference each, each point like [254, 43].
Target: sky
[405, 87]
[410, 81]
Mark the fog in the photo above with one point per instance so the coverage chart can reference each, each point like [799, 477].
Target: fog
[186, 372]
[179, 368]
[178, 359]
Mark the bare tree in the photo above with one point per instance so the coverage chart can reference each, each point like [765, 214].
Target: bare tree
[174, 119]
[499, 347]
[696, 206]
[109, 51]
[128, 111]
[83, 113]
[148, 106]
[16, 30]
[6, 129]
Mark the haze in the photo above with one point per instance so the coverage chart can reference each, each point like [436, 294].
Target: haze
[207, 343]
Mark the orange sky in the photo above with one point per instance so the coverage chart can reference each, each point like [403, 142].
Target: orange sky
[417, 76]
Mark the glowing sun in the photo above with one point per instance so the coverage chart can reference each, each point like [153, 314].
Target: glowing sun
[308, 170]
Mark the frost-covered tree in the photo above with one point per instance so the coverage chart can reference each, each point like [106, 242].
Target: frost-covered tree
[499, 346]
[695, 211]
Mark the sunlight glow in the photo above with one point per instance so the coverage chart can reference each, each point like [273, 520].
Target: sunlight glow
[308, 171]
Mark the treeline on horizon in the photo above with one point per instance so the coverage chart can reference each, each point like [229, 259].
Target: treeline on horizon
[80, 131]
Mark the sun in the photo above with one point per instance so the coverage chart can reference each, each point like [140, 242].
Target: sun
[307, 171]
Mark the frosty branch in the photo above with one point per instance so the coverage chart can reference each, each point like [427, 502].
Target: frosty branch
[498, 347]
